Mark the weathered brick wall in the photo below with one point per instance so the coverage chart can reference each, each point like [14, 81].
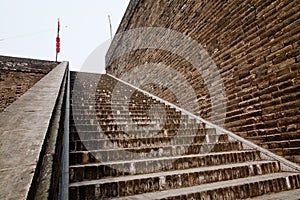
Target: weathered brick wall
[17, 75]
[254, 44]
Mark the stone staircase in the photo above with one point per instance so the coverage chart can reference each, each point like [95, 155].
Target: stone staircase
[286, 145]
[136, 147]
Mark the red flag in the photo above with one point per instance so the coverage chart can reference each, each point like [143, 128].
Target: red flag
[58, 25]
[57, 39]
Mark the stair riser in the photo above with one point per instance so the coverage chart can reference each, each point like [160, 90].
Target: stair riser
[244, 191]
[275, 137]
[283, 144]
[155, 152]
[140, 111]
[134, 127]
[143, 167]
[94, 133]
[142, 142]
[85, 118]
[188, 179]
[123, 189]
[93, 119]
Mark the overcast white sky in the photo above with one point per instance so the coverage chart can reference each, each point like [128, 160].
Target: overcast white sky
[28, 27]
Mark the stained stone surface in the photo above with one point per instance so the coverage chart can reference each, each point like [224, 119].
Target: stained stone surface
[23, 128]
[17, 75]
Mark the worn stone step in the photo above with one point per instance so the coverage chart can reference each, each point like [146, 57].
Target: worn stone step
[275, 137]
[96, 132]
[101, 97]
[284, 195]
[112, 120]
[133, 123]
[119, 119]
[294, 158]
[123, 118]
[141, 112]
[94, 144]
[152, 152]
[121, 125]
[136, 134]
[136, 107]
[232, 189]
[122, 107]
[118, 104]
[90, 110]
[281, 144]
[145, 166]
[109, 117]
[176, 179]
[286, 151]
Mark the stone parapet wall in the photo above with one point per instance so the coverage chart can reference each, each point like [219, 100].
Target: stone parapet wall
[254, 44]
[17, 75]
[31, 134]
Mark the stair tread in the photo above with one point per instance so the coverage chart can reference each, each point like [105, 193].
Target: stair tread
[284, 195]
[167, 173]
[163, 158]
[207, 187]
[152, 147]
[160, 137]
[285, 148]
[281, 141]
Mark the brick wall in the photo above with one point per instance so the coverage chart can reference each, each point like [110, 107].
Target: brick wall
[254, 44]
[17, 75]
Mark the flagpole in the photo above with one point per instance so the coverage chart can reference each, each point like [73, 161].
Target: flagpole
[110, 27]
[57, 40]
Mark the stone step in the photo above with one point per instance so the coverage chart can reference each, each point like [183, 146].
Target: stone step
[281, 144]
[108, 104]
[95, 133]
[112, 119]
[294, 158]
[135, 126]
[123, 154]
[285, 195]
[142, 116]
[83, 105]
[232, 189]
[275, 137]
[286, 151]
[122, 118]
[136, 134]
[131, 111]
[94, 144]
[187, 177]
[146, 166]
[127, 124]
